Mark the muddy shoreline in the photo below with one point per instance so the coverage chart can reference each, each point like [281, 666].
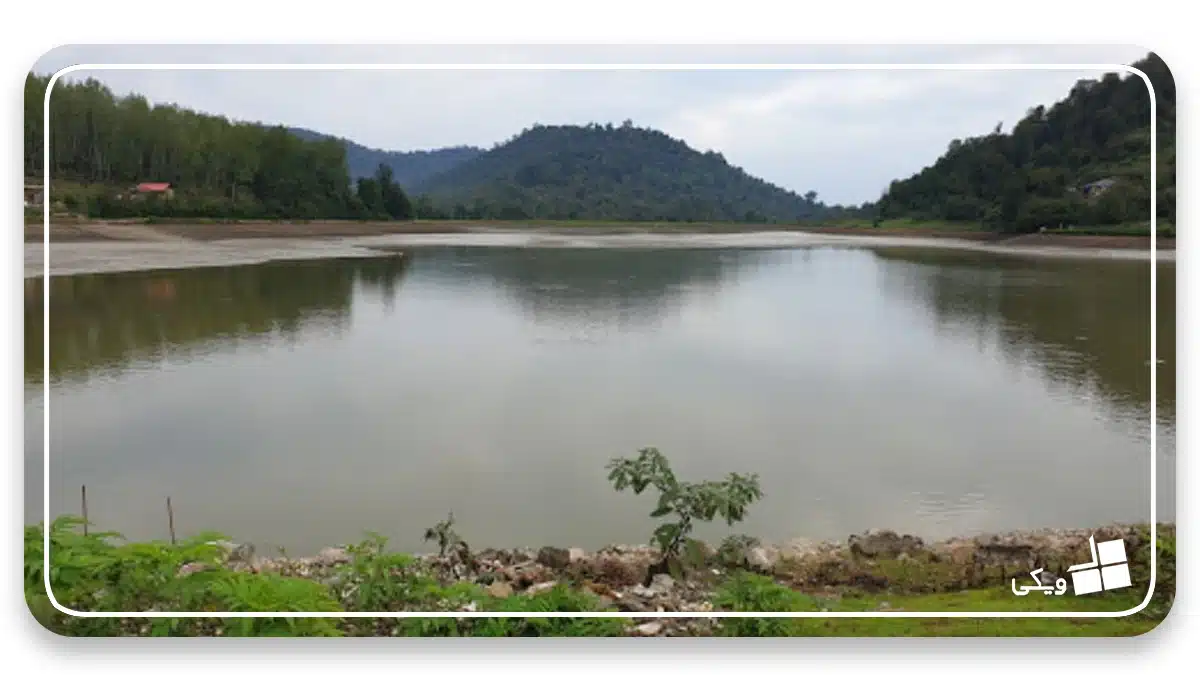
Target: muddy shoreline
[115, 247]
[808, 563]
[98, 231]
[880, 563]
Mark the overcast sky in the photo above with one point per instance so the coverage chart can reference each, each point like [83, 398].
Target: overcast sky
[844, 134]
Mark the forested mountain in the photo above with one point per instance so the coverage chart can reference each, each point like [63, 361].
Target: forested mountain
[609, 173]
[103, 145]
[1084, 161]
[410, 168]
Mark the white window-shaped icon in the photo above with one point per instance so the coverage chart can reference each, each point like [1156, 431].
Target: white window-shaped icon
[1108, 569]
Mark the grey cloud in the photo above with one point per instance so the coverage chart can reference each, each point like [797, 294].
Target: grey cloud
[844, 134]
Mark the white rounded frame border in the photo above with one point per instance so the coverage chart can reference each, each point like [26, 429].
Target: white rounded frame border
[614, 67]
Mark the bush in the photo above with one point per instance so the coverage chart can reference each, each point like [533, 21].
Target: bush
[686, 502]
[735, 548]
[376, 579]
[746, 592]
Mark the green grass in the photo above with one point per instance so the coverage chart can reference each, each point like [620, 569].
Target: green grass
[755, 593]
[923, 585]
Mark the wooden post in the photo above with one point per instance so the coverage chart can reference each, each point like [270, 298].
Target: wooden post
[83, 497]
[171, 520]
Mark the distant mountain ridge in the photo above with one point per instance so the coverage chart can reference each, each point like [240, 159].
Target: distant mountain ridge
[602, 172]
[410, 168]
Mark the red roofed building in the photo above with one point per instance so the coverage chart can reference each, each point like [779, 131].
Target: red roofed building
[148, 189]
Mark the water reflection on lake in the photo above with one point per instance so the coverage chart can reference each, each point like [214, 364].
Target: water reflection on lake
[300, 403]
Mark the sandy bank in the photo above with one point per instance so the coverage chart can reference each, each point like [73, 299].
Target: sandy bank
[135, 247]
[133, 230]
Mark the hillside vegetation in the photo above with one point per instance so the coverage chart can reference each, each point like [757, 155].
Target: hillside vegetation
[1085, 161]
[602, 172]
[216, 167]
[102, 145]
[410, 168]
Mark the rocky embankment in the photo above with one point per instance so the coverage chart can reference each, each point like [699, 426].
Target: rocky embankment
[625, 578]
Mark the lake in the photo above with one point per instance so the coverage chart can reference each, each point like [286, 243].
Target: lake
[298, 404]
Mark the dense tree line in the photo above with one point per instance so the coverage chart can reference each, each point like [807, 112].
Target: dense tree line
[410, 168]
[1044, 172]
[217, 168]
[602, 172]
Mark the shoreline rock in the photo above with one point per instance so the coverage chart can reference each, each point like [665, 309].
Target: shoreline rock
[629, 563]
[802, 561]
[620, 577]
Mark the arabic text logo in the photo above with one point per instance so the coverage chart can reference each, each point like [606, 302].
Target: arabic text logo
[1042, 584]
[1108, 569]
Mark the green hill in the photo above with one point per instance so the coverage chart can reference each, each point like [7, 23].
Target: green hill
[103, 145]
[597, 172]
[1085, 161]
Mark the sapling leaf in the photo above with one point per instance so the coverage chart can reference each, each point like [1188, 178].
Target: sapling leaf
[703, 501]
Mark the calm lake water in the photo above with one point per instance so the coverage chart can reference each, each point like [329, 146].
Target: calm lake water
[298, 404]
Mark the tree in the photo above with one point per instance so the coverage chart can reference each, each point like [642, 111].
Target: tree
[370, 196]
[394, 202]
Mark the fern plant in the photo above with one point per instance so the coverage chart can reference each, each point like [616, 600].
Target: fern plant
[745, 592]
[376, 579]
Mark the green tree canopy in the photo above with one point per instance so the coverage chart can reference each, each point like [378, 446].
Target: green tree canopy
[1055, 165]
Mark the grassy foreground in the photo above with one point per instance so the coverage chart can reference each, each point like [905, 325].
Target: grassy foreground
[99, 572]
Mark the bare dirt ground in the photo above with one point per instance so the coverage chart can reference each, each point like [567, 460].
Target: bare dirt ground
[1060, 240]
[207, 232]
[98, 247]
[1090, 241]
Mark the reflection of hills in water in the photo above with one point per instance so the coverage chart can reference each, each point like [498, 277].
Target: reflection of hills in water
[1083, 322]
[104, 322]
[570, 287]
